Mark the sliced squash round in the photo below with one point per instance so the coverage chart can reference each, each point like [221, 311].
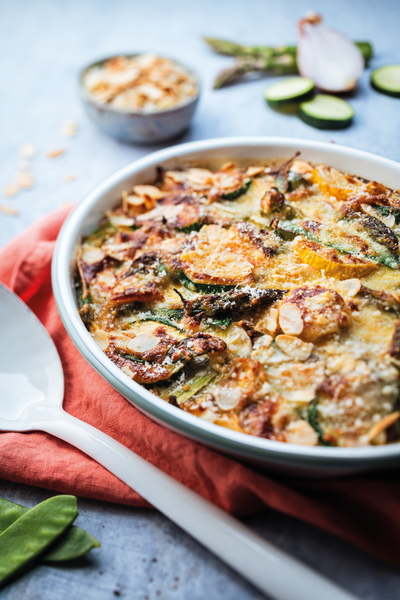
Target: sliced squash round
[341, 266]
[289, 91]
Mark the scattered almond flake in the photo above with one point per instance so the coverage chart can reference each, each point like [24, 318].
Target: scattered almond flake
[253, 171]
[55, 153]
[24, 180]
[290, 319]
[25, 165]
[8, 210]
[349, 287]
[301, 432]
[69, 177]
[11, 190]
[101, 339]
[28, 150]
[69, 129]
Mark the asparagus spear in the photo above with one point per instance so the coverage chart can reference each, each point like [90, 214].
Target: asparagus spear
[279, 60]
[283, 64]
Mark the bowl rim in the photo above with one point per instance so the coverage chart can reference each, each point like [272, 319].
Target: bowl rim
[88, 97]
[240, 444]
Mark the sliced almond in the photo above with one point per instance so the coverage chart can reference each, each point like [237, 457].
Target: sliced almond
[120, 341]
[228, 166]
[300, 395]
[294, 347]
[228, 397]
[290, 319]
[143, 342]
[69, 129]
[92, 255]
[301, 167]
[55, 153]
[117, 251]
[253, 171]
[238, 341]
[120, 221]
[168, 212]
[148, 190]
[69, 177]
[383, 424]
[101, 339]
[349, 287]
[11, 190]
[388, 220]
[301, 432]
[106, 279]
[271, 322]
[264, 341]
[125, 369]
[8, 210]
[24, 180]
[28, 150]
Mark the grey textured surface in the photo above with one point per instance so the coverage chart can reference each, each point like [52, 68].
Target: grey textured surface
[43, 46]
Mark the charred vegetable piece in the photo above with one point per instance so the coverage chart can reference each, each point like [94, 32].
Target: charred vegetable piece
[33, 532]
[295, 180]
[312, 416]
[129, 356]
[174, 314]
[211, 305]
[74, 543]
[388, 210]
[164, 320]
[239, 192]
[194, 385]
[196, 345]
[381, 239]
[378, 231]
[388, 301]
[222, 322]
[193, 227]
[202, 288]
[100, 235]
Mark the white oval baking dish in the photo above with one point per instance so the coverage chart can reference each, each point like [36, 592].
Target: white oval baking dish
[290, 458]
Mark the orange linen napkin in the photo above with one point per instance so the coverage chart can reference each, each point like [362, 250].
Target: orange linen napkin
[364, 510]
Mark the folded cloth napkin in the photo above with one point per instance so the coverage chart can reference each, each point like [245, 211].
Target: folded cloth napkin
[364, 510]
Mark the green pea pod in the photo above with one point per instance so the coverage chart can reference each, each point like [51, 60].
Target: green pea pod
[33, 532]
[73, 543]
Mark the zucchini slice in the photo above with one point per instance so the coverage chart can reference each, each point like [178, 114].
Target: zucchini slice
[326, 112]
[386, 80]
[289, 91]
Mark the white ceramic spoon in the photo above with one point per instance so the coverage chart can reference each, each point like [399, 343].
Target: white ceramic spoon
[31, 396]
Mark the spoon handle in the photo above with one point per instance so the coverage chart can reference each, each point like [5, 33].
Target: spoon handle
[262, 563]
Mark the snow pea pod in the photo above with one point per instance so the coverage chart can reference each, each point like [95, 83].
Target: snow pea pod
[33, 532]
[73, 543]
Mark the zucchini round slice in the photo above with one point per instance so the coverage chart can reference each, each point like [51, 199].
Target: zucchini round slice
[386, 80]
[326, 112]
[289, 91]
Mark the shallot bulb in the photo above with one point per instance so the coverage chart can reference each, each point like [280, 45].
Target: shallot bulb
[328, 57]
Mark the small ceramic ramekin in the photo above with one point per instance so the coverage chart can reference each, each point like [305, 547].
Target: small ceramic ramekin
[138, 127]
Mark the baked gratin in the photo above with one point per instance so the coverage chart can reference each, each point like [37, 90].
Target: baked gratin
[264, 299]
